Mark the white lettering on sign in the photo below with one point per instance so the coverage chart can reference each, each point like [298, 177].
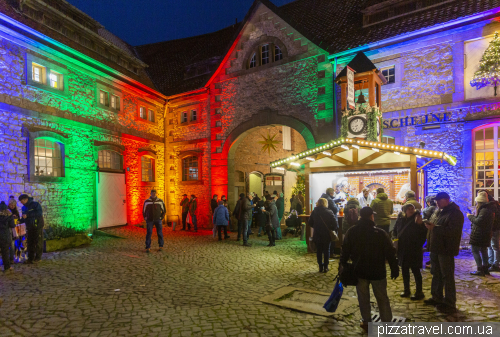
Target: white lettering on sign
[350, 88]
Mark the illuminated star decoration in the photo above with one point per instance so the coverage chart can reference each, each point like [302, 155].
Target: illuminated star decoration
[268, 143]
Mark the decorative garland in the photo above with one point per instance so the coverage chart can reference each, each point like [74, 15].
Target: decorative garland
[372, 114]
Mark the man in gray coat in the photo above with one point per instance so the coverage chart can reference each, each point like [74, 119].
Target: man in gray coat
[246, 209]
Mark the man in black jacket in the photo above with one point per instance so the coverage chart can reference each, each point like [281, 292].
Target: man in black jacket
[153, 212]
[328, 195]
[446, 226]
[33, 218]
[214, 203]
[369, 247]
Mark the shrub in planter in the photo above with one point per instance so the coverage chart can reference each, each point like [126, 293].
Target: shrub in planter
[60, 237]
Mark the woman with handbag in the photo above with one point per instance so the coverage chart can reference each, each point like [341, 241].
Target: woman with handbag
[325, 227]
[409, 236]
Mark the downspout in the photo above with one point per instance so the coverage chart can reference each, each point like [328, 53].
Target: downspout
[165, 160]
[335, 114]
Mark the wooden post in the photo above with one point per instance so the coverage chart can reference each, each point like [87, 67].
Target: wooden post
[413, 175]
[355, 156]
[371, 90]
[343, 96]
[307, 203]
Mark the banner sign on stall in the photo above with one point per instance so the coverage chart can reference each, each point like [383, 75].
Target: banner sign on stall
[350, 87]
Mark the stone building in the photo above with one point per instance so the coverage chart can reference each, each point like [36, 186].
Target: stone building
[218, 98]
[81, 123]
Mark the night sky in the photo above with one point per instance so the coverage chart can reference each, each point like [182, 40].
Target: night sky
[147, 21]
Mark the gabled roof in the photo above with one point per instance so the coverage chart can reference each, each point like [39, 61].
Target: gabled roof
[168, 60]
[334, 25]
[360, 64]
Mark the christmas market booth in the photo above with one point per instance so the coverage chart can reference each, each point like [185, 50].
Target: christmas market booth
[358, 158]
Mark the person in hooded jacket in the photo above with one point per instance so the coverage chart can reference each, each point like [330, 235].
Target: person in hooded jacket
[351, 214]
[410, 233]
[480, 237]
[271, 213]
[260, 216]
[33, 218]
[6, 225]
[322, 220]
[221, 219]
[382, 207]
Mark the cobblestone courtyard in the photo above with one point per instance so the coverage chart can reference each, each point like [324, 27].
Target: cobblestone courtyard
[196, 287]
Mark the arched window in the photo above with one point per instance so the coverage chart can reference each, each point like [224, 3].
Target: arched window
[147, 169]
[265, 53]
[48, 158]
[111, 160]
[486, 159]
[253, 61]
[278, 55]
[190, 168]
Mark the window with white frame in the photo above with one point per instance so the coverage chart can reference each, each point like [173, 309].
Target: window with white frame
[48, 158]
[56, 80]
[184, 117]
[388, 140]
[37, 73]
[147, 169]
[486, 140]
[115, 102]
[194, 115]
[265, 54]
[143, 112]
[390, 74]
[103, 98]
[278, 55]
[151, 115]
[190, 168]
[110, 160]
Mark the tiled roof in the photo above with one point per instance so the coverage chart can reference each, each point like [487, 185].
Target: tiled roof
[168, 60]
[360, 64]
[337, 25]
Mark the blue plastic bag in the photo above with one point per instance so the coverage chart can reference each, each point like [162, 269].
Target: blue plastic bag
[333, 301]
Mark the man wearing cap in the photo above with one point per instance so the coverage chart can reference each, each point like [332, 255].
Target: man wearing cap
[185, 210]
[383, 208]
[446, 226]
[369, 247]
[153, 212]
[33, 218]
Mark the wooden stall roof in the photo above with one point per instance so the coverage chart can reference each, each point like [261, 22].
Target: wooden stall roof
[358, 154]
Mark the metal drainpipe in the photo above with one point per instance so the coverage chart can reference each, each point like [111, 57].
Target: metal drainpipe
[165, 160]
[335, 117]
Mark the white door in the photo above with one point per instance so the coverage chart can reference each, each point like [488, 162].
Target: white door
[111, 200]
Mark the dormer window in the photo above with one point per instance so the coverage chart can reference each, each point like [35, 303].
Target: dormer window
[266, 53]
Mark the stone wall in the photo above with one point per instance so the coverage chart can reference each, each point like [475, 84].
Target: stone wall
[426, 79]
[77, 118]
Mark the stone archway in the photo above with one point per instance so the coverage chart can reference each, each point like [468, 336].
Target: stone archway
[265, 118]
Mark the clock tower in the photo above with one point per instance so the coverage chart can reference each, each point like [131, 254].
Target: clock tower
[361, 119]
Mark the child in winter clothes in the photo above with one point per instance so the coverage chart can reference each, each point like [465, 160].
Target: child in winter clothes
[6, 225]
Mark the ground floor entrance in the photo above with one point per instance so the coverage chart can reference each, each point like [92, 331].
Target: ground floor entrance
[111, 199]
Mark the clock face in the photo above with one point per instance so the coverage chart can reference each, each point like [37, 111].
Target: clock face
[357, 125]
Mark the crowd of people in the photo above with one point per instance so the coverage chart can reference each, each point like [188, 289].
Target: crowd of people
[21, 232]
[369, 243]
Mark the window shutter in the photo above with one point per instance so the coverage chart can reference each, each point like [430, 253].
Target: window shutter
[287, 138]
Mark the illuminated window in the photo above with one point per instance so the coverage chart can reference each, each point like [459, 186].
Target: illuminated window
[143, 113]
[184, 117]
[48, 158]
[110, 160]
[486, 159]
[389, 74]
[388, 140]
[37, 72]
[115, 102]
[265, 54]
[253, 61]
[55, 80]
[278, 55]
[147, 169]
[151, 115]
[193, 115]
[103, 98]
[190, 168]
